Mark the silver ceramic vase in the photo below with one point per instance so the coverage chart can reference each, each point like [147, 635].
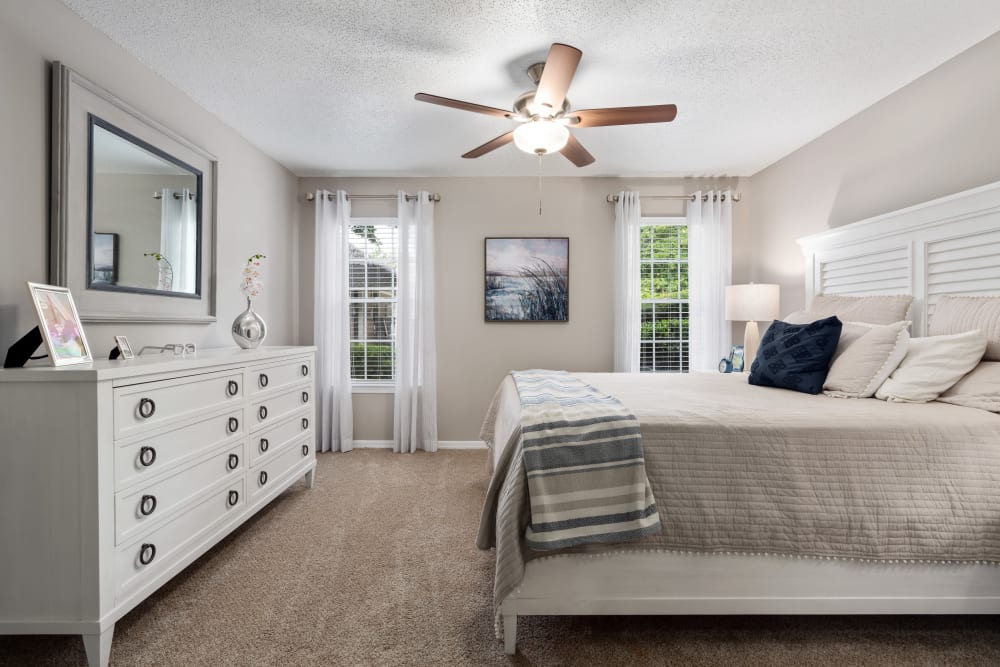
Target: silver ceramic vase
[249, 329]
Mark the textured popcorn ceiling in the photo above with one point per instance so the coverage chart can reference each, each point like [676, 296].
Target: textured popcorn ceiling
[327, 87]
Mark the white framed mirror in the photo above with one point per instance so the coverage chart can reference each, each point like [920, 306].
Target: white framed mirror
[133, 210]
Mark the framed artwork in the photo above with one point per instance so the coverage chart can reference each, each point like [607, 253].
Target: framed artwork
[105, 258]
[124, 347]
[527, 279]
[60, 325]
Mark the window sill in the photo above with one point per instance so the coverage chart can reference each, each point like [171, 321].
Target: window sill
[373, 389]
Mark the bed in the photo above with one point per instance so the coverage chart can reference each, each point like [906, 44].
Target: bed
[776, 502]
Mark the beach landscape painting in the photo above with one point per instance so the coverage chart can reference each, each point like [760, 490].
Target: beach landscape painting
[527, 279]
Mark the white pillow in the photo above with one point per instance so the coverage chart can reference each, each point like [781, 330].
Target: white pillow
[866, 355]
[979, 389]
[953, 314]
[931, 366]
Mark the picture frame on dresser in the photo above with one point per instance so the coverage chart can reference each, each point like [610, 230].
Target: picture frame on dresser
[60, 325]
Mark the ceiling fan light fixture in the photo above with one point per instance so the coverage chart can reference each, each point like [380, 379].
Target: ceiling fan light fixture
[541, 137]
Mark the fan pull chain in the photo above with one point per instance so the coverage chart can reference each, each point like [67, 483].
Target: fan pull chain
[539, 185]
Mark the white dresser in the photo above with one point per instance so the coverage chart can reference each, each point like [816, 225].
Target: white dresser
[116, 475]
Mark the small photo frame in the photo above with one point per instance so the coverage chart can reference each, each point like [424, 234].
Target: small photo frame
[60, 325]
[124, 347]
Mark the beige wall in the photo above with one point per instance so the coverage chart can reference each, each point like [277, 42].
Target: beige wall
[473, 356]
[256, 195]
[934, 137]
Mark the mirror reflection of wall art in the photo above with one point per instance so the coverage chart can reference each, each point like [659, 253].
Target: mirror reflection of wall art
[527, 279]
[105, 258]
[60, 325]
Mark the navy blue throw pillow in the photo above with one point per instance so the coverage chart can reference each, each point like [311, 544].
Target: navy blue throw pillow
[796, 356]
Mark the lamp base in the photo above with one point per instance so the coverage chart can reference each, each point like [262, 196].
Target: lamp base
[751, 341]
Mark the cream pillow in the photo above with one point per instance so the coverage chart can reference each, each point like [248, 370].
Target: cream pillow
[953, 314]
[866, 355]
[881, 309]
[979, 389]
[931, 366]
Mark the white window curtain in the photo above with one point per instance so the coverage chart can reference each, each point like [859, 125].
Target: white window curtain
[626, 282]
[335, 427]
[179, 237]
[710, 234]
[415, 409]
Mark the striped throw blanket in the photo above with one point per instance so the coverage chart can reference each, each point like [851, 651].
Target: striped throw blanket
[583, 459]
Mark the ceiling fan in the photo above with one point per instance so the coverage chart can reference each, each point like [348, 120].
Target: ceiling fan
[544, 113]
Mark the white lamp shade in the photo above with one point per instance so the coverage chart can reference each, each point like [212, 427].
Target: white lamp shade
[541, 137]
[753, 302]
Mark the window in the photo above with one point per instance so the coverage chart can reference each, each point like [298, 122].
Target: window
[663, 291]
[372, 300]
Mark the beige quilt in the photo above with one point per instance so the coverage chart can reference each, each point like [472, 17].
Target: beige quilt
[745, 469]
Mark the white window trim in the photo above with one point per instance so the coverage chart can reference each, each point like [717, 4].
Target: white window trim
[372, 386]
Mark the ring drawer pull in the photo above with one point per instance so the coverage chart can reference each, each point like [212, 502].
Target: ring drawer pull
[147, 455]
[234, 497]
[263, 380]
[305, 397]
[262, 412]
[263, 477]
[305, 423]
[264, 444]
[233, 388]
[147, 408]
[147, 505]
[305, 450]
[234, 424]
[305, 370]
[147, 552]
[233, 462]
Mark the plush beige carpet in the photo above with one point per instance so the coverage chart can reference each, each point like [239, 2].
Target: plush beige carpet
[377, 566]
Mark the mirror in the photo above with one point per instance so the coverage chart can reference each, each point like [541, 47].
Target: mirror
[133, 214]
[144, 218]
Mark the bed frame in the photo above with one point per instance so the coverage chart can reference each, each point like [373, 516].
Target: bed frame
[946, 246]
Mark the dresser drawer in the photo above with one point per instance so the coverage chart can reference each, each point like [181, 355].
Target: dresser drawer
[136, 510]
[276, 377]
[267, 411]
[143, 559]
[263, 478]
[143, 406]
[148, 457]
[270, 440]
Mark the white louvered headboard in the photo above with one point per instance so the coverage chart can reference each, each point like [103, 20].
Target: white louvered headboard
[945, 246]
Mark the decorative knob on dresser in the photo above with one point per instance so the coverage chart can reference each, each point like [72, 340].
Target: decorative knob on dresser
[305, 423]
[147, 456]
[263, 380]
[264, 444]
[305, 370]
[147, 552]
[232, 388]
[305, 450]
[233, 461]
[147, 505]
[234, 424]
[262, 412]
[305, 397]
[263, 477]
[234, 497]
[147, 408]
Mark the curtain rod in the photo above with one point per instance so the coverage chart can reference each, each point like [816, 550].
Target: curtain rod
[736, 197]
[329, 196]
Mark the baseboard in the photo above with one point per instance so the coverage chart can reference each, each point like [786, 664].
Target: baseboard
[442, 444]
[461, 444]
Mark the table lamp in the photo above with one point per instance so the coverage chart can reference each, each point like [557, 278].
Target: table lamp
[752, 303]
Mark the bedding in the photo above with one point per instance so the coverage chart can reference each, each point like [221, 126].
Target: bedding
[878, 309]
[796, 356]
[955, 314]
[979, 389]
[866, 355]
[931, 366]
[737, 468]
[583, 460]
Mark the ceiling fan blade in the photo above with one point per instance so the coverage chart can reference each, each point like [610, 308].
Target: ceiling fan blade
[560, 66]
[576, 153]
[490, 145]
[459, 104]
[658, 113]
